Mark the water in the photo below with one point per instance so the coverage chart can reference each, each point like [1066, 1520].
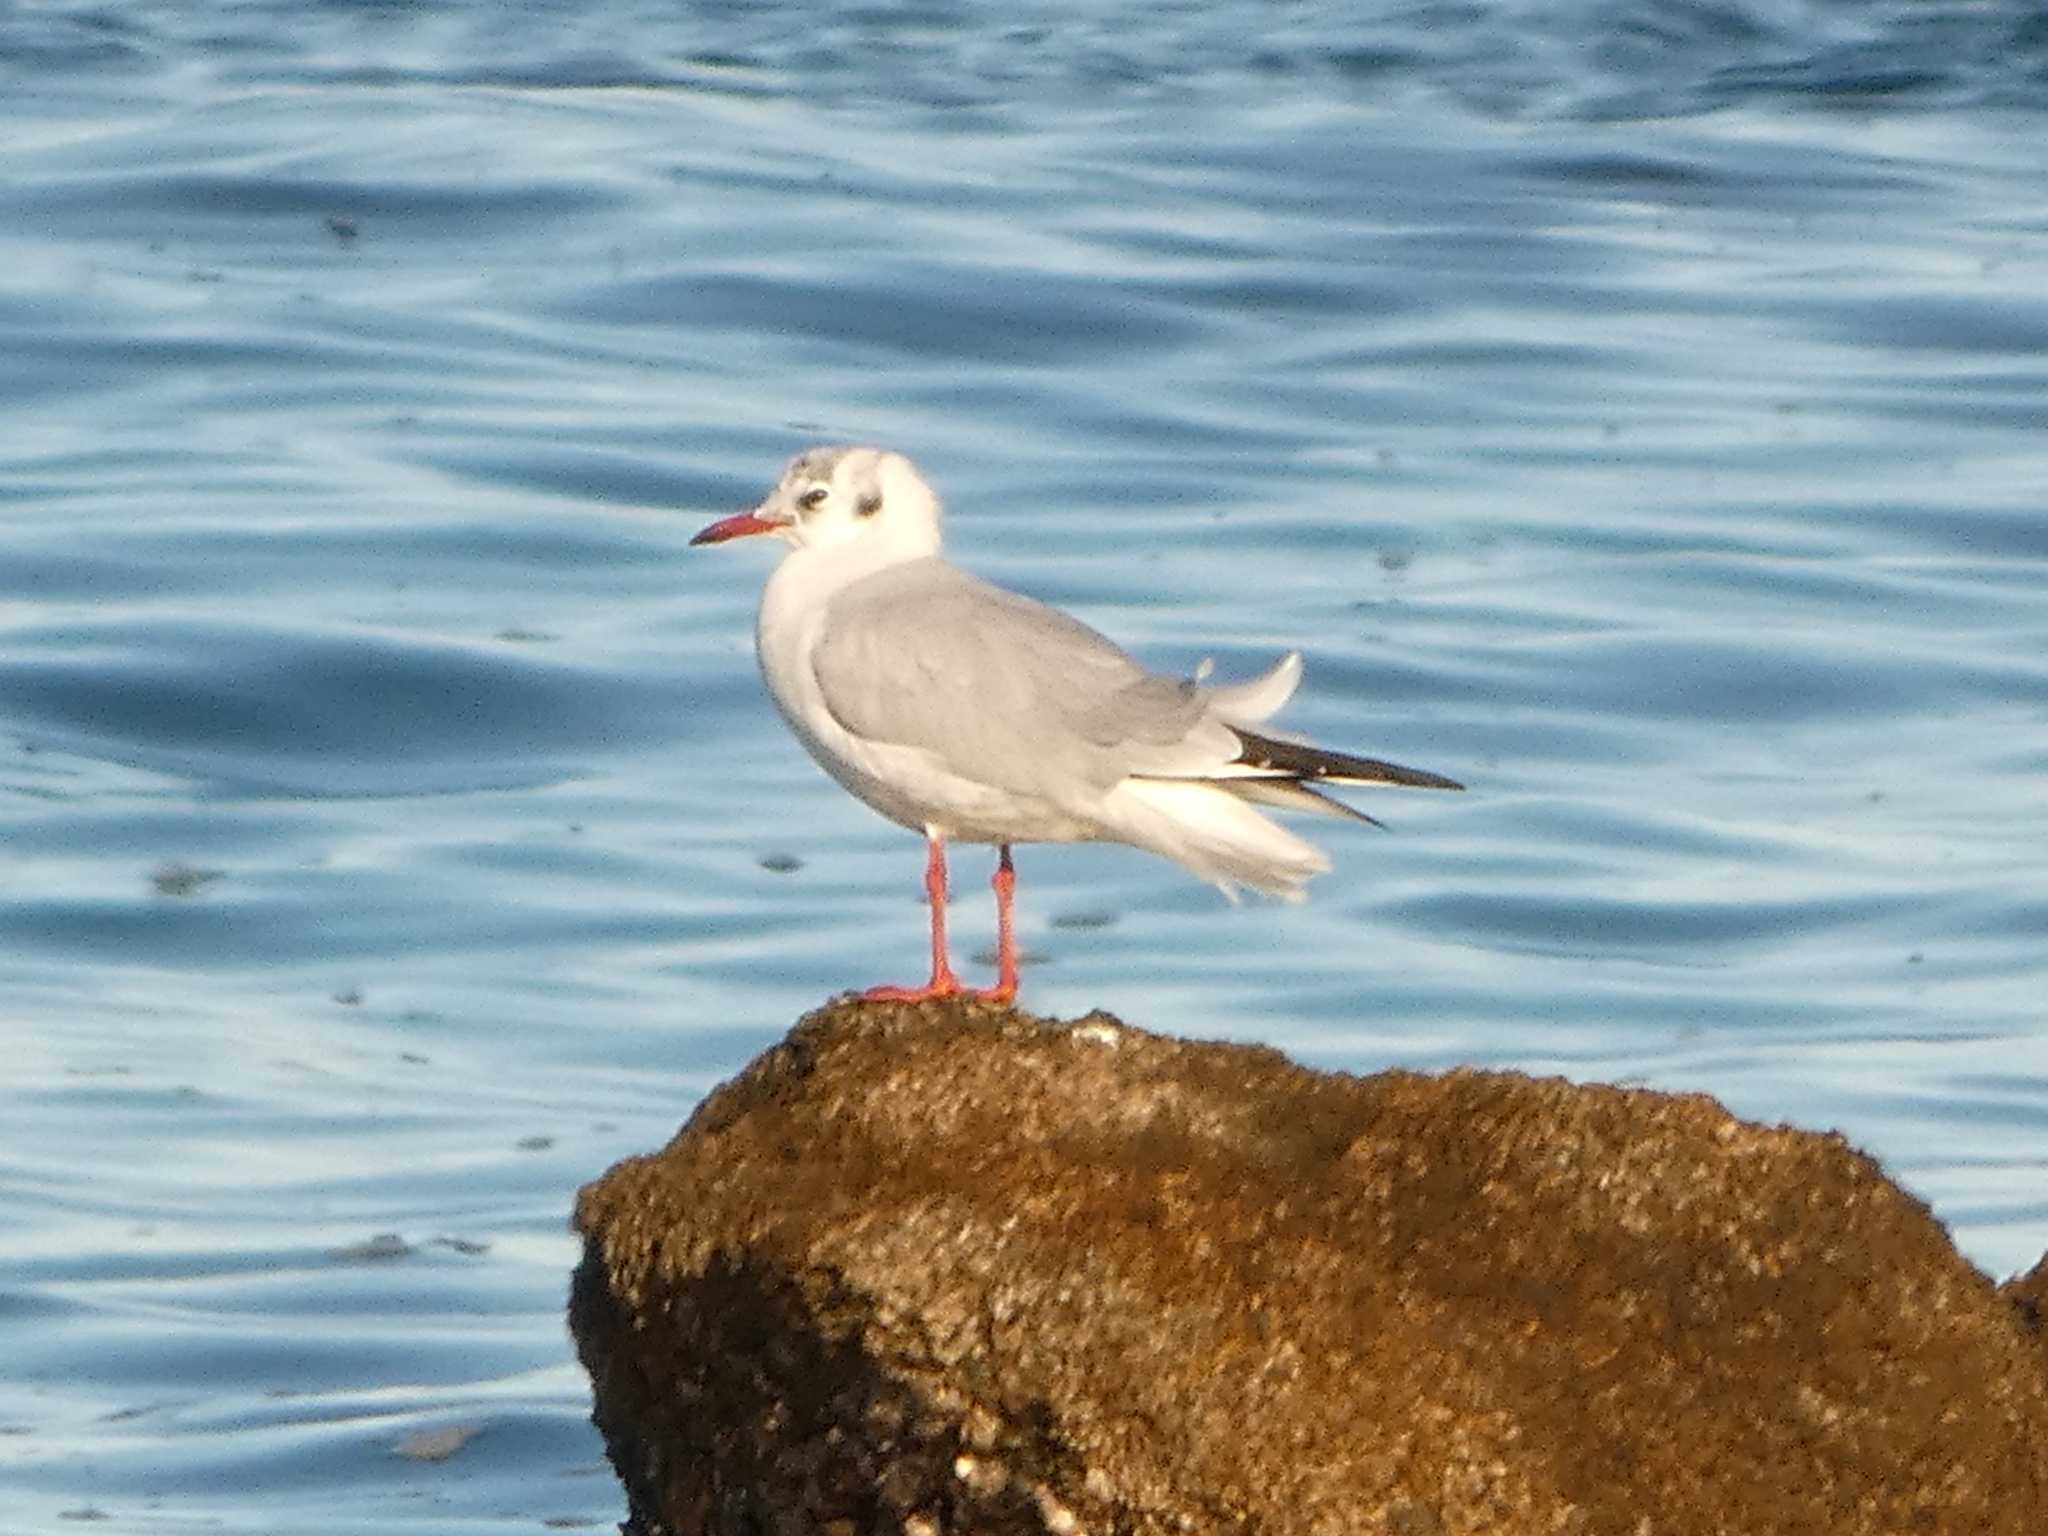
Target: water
[1635, 409]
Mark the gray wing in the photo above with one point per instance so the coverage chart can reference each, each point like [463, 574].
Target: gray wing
[1001, 689]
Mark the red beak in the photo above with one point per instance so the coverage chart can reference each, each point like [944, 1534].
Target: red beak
[739, 526]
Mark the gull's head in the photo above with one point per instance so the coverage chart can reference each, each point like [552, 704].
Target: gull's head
[864, 501]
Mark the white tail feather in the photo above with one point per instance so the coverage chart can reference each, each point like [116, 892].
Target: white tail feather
[1210, 832]
[1249, 703]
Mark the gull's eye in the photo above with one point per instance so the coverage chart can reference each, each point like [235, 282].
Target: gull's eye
[812, 499]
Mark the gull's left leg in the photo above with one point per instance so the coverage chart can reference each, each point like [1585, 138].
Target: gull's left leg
[1005, 882]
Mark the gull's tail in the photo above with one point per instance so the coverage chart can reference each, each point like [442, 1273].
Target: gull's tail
[1259, 699]
[1209, 830]
[1202, 821]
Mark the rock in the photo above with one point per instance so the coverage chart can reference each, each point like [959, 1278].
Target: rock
[2029, 1292]
[959, 1270]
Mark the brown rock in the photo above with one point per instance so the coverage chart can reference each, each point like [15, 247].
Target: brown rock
[958, 1270]
[2029, 1292]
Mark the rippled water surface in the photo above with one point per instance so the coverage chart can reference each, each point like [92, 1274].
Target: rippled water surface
[1634, 409]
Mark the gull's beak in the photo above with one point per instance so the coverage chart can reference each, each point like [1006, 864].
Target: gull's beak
[739, 526]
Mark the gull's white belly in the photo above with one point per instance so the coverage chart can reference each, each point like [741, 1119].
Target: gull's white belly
[909, 787]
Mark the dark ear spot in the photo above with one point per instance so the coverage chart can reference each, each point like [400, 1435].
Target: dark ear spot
[869, 504]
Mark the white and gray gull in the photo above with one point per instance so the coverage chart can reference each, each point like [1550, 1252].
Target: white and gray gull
[966, 712]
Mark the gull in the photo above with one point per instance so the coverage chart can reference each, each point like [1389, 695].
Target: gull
[974, 714]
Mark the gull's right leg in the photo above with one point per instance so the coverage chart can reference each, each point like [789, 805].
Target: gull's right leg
[943, 983]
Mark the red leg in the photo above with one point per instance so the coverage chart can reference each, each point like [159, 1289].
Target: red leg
[1005, 989]
[943, 983]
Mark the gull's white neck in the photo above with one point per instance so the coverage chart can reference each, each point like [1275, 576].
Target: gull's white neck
[808, 579]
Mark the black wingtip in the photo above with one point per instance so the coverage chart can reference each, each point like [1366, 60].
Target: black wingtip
[1315, 764]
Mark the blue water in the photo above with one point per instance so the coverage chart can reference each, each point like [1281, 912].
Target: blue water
[1634, 409]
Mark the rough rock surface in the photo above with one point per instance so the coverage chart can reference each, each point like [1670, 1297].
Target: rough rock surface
[955, 1269]
[2029, 1292]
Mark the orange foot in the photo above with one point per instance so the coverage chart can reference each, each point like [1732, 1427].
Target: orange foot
[942, 986]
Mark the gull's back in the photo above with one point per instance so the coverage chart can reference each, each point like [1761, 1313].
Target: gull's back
[1002, 688]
